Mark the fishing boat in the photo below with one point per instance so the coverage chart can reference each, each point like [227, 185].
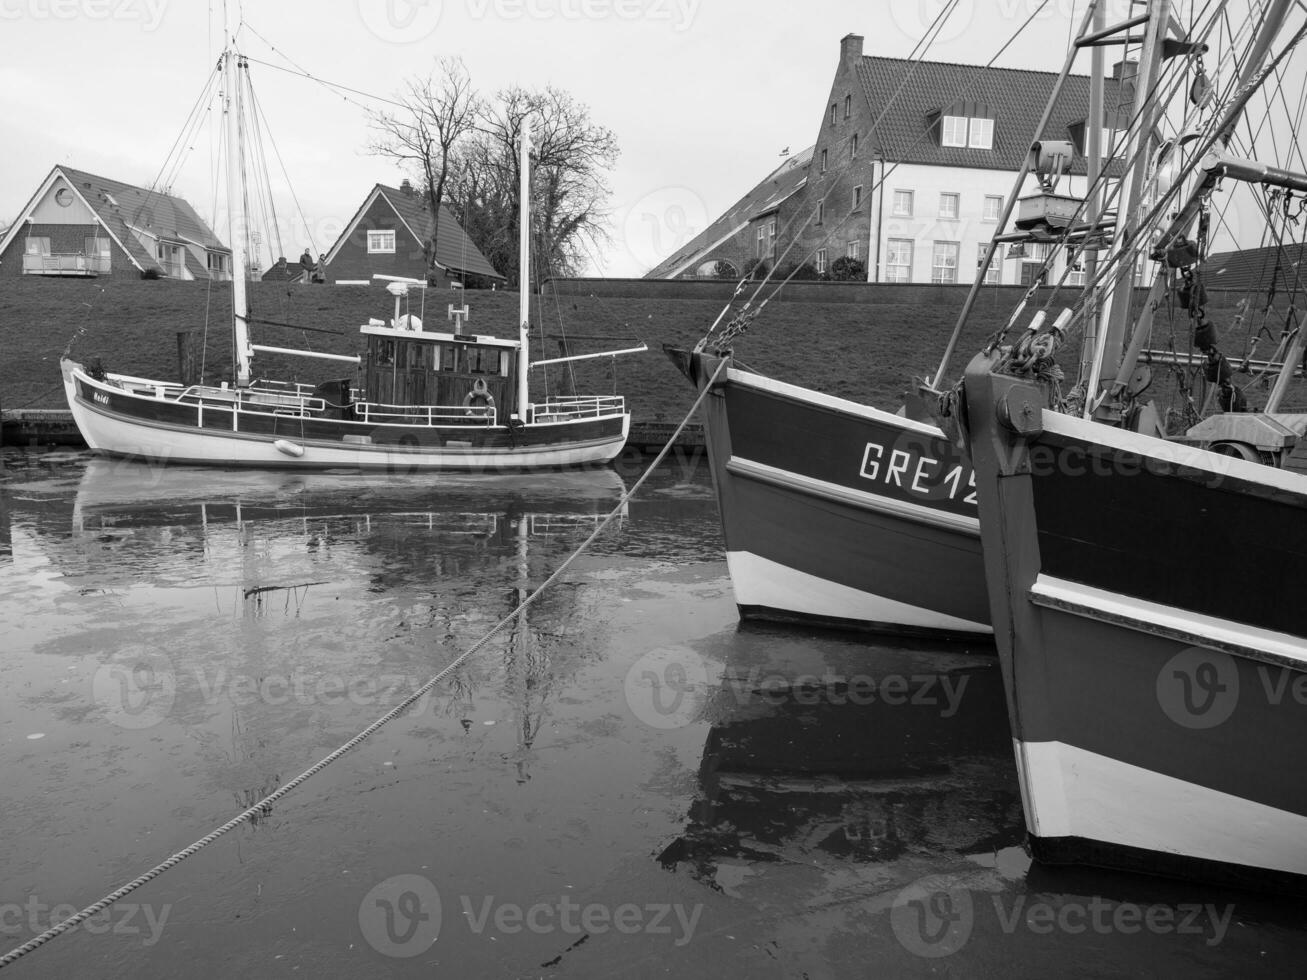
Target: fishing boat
[1145, 586]
[836, 513]
[421, 399]
[840, 513]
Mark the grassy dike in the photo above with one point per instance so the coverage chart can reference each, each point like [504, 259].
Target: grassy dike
[866, 350]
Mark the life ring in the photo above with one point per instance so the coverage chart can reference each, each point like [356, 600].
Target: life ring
[479, 401]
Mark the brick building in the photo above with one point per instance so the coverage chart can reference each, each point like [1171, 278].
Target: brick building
[912, 164]
[390, 235]
[78, 224]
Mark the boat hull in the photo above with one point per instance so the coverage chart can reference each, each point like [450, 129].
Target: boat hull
[839, 514]
[1146, 602]
[118, 420]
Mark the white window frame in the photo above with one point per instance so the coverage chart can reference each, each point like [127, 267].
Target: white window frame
[37, 245]
[891, 244]
[980, 133]
[821, 261]
[942, 271]
[377, 242]
[896, 211]
[993, 207]
[956, 199]
[953, 131]
[994, 274]
[853, 250]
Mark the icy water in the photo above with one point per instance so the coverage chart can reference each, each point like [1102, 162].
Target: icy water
[622, 783]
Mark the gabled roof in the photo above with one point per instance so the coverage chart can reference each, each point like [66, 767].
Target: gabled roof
[773, 191]
[119, 205]
[1254, 270]
[454, 250]
[1014, 98]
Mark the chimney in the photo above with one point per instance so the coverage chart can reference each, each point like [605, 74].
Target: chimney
[406, 187]
[850, 49]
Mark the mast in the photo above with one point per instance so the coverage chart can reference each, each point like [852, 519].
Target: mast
[236, 212]
[524, 272]
[1094, 152]
[1111, 340]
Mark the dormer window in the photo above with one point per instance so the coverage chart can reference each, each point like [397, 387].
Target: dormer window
[966, 131]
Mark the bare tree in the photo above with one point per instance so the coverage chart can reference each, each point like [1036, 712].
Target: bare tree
[438, 113]
[571, 157]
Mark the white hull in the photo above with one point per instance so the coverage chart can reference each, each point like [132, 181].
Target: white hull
[760, 582]
[118, 434]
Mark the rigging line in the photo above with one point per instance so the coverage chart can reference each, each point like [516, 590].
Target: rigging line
[260, 128]
[1173, 81]
[326, 84]
[1159, 209]
[179, 151]
[200, 100]
[258, 108]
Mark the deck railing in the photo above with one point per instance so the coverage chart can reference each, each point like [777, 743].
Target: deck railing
[65, 264]
[424, 414]
[564, 408]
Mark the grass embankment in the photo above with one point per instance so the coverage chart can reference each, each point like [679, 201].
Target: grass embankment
[866, 352]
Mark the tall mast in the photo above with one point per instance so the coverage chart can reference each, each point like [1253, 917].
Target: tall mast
[524, 271]
[236, 211]
[1112, 339]
[1094, 152]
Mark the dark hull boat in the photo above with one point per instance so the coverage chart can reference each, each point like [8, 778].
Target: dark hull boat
[1146, 602]
[837, 513]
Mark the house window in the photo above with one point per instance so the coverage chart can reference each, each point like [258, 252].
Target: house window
[766, 238]
[902, 204]
[954, 132]
[832, 113]
[944, 263]
[981, 134]
[821, 261]
[823, 161]
[994, 274]
[857, 197]
[38, 246]
[217, 262]
[1076, 271]
[898, 260]
[976, 133]
[853, 146]
[381, 241]
[993, 207]
[948, 205]
[821, 211]
[1034, 269]
[853, 250]
[848, 106]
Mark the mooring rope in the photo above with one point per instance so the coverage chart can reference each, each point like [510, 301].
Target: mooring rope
[264, 807]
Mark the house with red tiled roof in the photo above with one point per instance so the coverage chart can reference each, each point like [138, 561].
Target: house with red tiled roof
[81, 225]
[909, 173]
[390, 234]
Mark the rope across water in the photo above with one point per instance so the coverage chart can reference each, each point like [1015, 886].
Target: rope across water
[264, 806]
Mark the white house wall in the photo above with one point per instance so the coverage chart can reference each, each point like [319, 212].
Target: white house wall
[49, 211]
[970, 229]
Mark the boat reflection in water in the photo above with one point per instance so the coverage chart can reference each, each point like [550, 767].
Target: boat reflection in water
[831, 777]
[377, 580]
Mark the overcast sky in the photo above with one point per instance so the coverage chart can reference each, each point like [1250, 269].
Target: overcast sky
[702, 94]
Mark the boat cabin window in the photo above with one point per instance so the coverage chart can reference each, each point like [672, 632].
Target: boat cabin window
[385, 351]
[482, 360]
[419, 357]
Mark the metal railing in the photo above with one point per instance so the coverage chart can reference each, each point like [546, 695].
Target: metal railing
[65, 264]
[425, 414]
[566, 408]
